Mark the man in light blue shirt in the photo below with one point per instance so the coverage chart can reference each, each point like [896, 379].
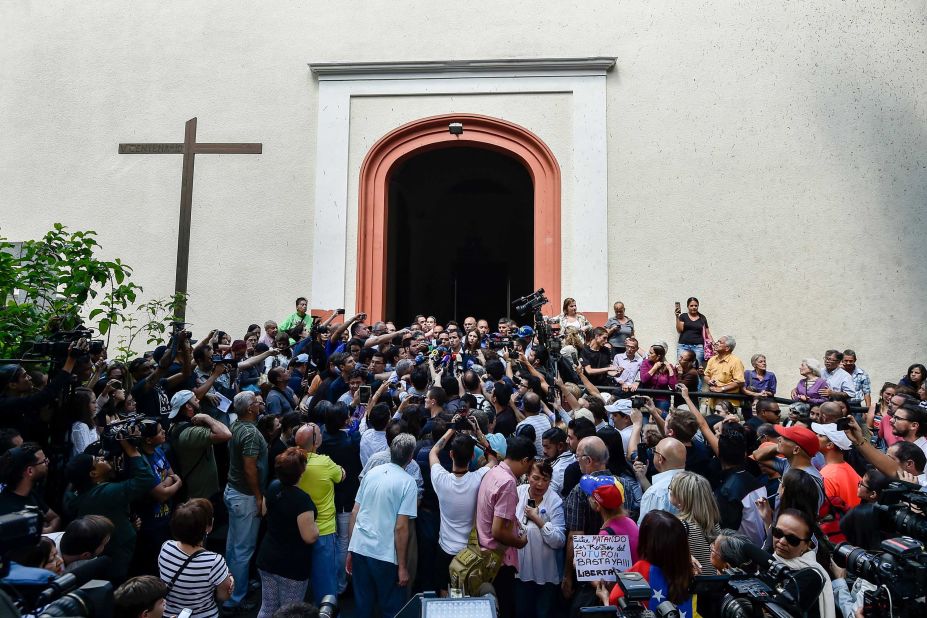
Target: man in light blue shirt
[386, 503]
[629, 365]
[669, 458]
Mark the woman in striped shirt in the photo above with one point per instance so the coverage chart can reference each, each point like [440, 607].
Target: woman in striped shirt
[196, 578]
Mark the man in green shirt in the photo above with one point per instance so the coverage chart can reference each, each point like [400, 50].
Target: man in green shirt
[192, 436]
[318, 481]
[244, 493]
[298, 316]
[96, 494]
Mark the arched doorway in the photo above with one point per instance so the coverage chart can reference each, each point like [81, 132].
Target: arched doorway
[432, 133]
[460, 234]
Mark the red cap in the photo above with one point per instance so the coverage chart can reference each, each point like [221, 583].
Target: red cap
[609, 496]
[802, 436]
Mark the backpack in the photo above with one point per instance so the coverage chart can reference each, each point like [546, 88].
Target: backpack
[474, 566]
[833, 509]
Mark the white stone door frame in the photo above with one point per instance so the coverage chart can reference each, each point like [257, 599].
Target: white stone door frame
[582, 78]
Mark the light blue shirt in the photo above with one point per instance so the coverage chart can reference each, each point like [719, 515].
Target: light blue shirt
[386, 492]
[657, 495]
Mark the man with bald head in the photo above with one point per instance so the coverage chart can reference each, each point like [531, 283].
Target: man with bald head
[669, 458]
[318, 481]
[592, 457]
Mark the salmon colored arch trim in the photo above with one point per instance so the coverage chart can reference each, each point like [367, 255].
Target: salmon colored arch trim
[430, 134]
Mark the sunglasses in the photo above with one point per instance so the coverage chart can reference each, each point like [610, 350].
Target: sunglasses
[791, 539]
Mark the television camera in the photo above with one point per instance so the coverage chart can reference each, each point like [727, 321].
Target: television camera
[899, 570]
[65, 595]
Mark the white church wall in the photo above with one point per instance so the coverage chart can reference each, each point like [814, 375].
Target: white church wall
[774, 150]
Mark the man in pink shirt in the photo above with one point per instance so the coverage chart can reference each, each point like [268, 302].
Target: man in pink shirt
[496, 524]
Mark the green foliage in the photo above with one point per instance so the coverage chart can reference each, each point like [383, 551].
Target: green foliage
[52, 281]
[155, 323]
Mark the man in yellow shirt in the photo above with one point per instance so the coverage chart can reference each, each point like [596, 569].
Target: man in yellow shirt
[319, 482]
[724, 372]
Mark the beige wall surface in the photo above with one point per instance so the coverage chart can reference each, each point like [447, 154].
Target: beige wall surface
[766, 158]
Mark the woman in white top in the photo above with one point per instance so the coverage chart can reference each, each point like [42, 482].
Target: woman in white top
[540, 562]
[83, 408]
[569, 317]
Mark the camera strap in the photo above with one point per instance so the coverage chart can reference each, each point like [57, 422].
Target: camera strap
[189, 559]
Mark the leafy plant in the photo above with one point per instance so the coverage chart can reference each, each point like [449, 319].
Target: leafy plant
[48, 284]
[157, 316]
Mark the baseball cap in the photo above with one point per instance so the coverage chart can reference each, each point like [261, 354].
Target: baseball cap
[622, 406]
[178, 401]
[525, 331]
[608, 496]
[830, 431]
[800, 435]
[586, 414]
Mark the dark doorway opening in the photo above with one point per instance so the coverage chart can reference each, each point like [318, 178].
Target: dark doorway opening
[460, 234]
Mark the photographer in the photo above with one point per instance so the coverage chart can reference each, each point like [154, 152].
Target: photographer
[95, 493]
[151, 386]
[16, 396]
[212, 382]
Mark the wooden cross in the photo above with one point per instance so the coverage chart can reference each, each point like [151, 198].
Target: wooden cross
[189, 148]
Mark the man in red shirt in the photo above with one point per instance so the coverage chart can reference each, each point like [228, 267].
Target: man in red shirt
[840, 479]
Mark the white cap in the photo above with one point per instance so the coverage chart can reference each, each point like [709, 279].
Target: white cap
[621, 406]
[830, 431]
[178, 401]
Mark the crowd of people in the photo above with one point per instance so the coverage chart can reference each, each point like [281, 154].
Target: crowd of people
[314, 457]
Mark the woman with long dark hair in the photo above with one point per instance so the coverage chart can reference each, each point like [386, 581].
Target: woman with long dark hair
[665, 562]
[83, 408]
[915, 377]
[693, 330]
[657, 373]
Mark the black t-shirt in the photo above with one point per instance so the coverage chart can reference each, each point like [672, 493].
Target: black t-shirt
[506, 422]
[692, 329]
[11, 502]
[698, 460]
[571, 477]
[344, 450]
[152, 402]
[283, 551]
[597, 359]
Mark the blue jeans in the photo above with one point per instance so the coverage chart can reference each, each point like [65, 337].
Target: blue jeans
[341, 553]
[699, 351]
[242, 537]
[375, 587]
[324, 577]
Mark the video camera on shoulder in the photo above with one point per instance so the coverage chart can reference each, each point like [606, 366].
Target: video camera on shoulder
[899, 570]
[636, 592]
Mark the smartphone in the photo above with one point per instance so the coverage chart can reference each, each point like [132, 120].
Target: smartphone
[843, 423]
[531, 504]
[186, 613]
[341, 311]
[364, 394]
[678, 307]
[642, 452]
[115, 384]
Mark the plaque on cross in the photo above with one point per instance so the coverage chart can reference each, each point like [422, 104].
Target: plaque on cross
[189, 149]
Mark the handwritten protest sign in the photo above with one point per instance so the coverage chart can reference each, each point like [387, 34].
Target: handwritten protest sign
[600, 557]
